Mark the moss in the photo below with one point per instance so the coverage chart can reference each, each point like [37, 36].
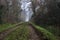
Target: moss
[45, 32]
[5, 26]
[19, 34]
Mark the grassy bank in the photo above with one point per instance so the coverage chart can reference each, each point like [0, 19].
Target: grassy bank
[21, 33]
[45, 32]
[5, 26]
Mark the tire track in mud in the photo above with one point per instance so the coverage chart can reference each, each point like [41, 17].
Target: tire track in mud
[33, 33]
[6, 32]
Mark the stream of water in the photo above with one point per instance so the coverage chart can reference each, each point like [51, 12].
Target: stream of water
[26, 6]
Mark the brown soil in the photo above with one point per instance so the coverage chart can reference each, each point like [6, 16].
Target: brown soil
[4, 33]
[33, 35]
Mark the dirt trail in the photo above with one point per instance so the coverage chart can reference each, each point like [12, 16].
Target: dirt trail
[9, 30]
[33, 34]
[6, 32]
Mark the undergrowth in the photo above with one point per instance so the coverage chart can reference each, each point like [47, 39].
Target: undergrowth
[19, 34]
[45, 32]
[5, 26]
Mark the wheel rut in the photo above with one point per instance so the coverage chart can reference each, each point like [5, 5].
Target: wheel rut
[33, 35]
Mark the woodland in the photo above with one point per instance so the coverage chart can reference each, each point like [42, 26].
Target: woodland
[43, 20]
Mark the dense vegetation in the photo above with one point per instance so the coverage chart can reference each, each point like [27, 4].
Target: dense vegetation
[46, 16]
[22, 33]
[46, 33]
[5, 26]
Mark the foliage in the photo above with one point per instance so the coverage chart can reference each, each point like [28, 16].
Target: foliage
[19, 34]
[46, 33]
[51, 17]
[22, 33]
[5, 26]
[54, 30]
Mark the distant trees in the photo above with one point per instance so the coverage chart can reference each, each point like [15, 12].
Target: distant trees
[10, 11]
[3, 10]
[49, 13]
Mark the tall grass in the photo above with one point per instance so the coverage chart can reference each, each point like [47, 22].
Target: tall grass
[45, 32]
[5, 26]
[21, 33]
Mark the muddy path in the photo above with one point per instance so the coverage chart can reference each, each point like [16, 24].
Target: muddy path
[6, 32]
[33, 33]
